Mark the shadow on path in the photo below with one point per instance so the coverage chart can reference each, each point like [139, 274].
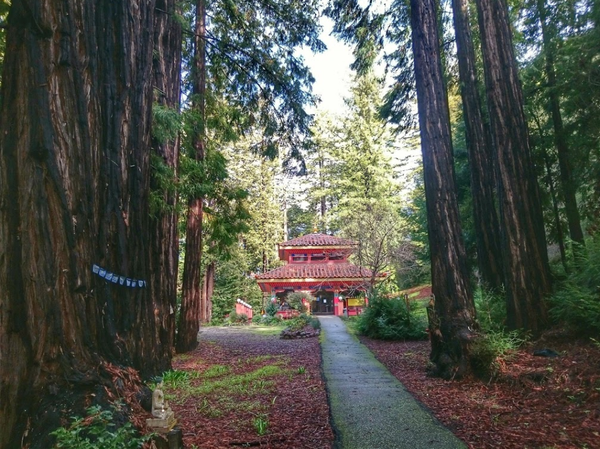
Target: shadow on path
[370, 407]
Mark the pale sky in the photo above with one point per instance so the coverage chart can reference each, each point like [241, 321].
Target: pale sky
[331, 70]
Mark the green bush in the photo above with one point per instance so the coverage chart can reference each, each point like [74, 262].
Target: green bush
[238, 318]
[491, 310]
[576, 303]
[294, 300]
[491, 350]
[303, 320]
[98, 431]
[267, 320]
[271, 309]
[390, 319]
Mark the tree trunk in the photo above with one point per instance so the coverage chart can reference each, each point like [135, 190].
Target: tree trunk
[74, 181]
[452, 328]
[209, 288]
[189, 316]
[525, 258]
[560, 141]
[485, 217]
[559, 231]
[165, 240]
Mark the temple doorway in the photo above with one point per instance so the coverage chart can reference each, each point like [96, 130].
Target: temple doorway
[323, 303]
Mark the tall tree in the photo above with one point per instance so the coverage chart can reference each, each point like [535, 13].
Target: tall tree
[165, 239]
[525, 259]
[560, 141]
[252, 80]
[453, 323]
[482, 170]
[75, 127]
[191, 294]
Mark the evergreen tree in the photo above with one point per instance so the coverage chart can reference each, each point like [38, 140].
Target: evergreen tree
[244, 75]
[482, 169]
[75, 120]
[452, 319]
[525, 258]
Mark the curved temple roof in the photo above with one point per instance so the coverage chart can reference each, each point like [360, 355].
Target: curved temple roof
[317, 240]
[344, 270]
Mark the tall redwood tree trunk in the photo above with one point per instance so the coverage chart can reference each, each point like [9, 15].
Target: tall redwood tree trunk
[485, 217]
[560, 141]
[165, 239]
[525, 258]
[191, 304]
[451, 326]
[74, 181]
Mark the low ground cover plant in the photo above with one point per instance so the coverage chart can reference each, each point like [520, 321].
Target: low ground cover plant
[99, 430]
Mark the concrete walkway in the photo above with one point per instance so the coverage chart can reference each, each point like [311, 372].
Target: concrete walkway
[369, 406]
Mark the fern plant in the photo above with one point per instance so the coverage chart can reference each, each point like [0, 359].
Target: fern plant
[98, 431]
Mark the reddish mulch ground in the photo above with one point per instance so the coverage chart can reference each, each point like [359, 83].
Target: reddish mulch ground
[537, 402]
[296, 406]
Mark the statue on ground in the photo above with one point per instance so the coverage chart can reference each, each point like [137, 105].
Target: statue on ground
[164, 418]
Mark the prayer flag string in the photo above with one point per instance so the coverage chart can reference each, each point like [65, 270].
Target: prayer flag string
[117, 279]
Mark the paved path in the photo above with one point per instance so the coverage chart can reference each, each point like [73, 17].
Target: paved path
[370, 407]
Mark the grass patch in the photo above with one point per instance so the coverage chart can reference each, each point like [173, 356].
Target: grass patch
[220, 380]
[266, 330]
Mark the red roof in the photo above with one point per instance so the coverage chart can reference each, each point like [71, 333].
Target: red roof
[318, 240]
[342, 270]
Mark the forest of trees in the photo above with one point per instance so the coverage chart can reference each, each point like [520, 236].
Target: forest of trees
[152, 155]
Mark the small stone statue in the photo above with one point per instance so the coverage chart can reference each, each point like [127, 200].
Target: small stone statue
[164, 418]
[159, 406]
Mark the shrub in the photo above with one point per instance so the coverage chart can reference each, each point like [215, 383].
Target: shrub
[268, 320]
[294, 299]
[492, 350]
[491, 310]
[390, 319]
[577, 301]
[271, 309]
[238, 318]
[98, 431]
[303, 320]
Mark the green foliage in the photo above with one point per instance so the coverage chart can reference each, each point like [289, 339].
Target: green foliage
[294, 300]
[576, 302]
[490, 351]
[271, 309]
[238, 318]
[268, 320]
[414, 267]
[164, 185]
[98, 431]
[166, 123]
[175, 378]
[300, 322]
[232, 281]
[390, 319]
[261, 424]
[491, 310]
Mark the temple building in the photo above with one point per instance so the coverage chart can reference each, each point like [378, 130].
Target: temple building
[318, 264]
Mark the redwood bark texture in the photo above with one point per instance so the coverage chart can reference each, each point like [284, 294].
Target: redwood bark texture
[525, 258]
[451, 326]
[74, 181]
[164, 243]
[191, 303]
[482, 169]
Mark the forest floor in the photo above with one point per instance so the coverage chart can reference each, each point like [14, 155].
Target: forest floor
[246, 387]
[534, 402]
